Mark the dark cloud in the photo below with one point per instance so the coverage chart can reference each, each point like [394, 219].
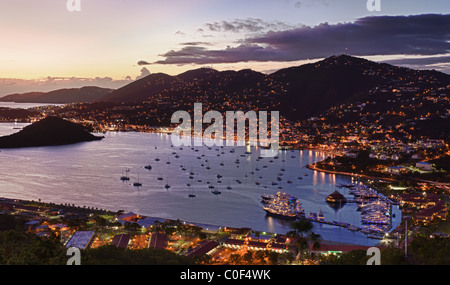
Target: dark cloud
[419, 61]
[180, 33]
[441, 63]
[144, 72]
[382, 35]
[246, 25]
[310, 3]
[201, 55]
[143, 62]
[195, 44]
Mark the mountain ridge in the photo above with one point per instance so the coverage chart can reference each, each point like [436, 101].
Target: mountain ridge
[298, 92]
[301, 91]
[60, 96]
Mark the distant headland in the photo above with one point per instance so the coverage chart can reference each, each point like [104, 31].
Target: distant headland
[50, 131]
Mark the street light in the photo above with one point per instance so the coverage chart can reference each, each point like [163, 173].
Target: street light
[406, 234]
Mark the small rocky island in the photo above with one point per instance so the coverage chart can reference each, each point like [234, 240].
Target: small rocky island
[50, 131]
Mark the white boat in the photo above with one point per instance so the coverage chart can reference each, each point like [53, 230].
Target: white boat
[320, 216]
[283, 206]
[353, 228]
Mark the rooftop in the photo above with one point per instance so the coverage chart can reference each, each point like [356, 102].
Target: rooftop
[81, 239]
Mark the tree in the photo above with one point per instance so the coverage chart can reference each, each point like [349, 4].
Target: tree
[302, 234]
[203, 259]
[354, 257]
[20, 248]
[261, 256]
[273, 257]
[315, 240]
[235, 258]
[248, 257]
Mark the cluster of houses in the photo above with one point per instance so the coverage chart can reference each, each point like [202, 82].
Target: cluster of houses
[238, 240]
[425, 207]
[422, 166]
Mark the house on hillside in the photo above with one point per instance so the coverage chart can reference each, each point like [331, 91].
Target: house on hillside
[424, 166]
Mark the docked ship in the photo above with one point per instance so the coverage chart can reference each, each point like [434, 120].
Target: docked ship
[284, 206]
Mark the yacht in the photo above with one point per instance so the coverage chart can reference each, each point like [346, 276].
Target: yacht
[313, 216]
[320, 216]
[137, 184]
[125, 177]
[283, 206]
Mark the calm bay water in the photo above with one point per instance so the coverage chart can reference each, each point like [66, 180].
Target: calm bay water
[24, 105]
[89, 174]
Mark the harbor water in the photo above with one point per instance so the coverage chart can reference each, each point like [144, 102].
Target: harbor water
[88, 174]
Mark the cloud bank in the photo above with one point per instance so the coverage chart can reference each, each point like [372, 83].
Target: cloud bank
[424, 35]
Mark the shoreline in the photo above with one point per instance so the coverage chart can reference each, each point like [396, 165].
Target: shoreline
[212, 225]
[42, 205]
[312, 167]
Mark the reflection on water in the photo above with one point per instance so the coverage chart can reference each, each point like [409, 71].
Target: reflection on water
[89, 174]
[14, 105]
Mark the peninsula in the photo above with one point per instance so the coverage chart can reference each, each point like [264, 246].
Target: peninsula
[50, 131]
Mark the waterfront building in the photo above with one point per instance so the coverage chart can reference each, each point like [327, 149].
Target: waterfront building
[336, 197]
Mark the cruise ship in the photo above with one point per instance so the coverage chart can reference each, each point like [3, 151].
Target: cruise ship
[284, 206]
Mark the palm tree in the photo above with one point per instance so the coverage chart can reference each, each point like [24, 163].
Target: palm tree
[248, 257]
[315, 239]
[235, 258]
[302, 234]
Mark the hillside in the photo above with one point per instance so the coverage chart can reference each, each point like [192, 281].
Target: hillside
[314, 88]
[298, 92]
[50, 131]
[194, 84]
[60, 96]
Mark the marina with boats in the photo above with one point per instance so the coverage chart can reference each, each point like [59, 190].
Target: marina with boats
[375, 210]
[180, 189]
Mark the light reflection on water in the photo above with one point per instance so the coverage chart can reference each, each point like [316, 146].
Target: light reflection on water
[89, 174]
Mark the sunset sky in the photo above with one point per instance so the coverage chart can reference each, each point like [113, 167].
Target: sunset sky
[112, 42]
